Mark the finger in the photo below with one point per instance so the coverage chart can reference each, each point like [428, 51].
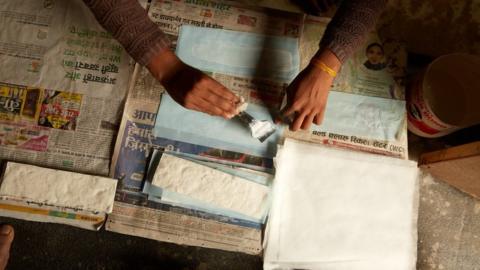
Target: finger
[194, 107]
[308, 121]
[206, 107]
[280, 118]
[319, 117]
[288, 111]
[6, 238]
[298, 121]
[222, 91]
[218, 101]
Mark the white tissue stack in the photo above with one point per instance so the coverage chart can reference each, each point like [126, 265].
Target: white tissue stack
[337, 209]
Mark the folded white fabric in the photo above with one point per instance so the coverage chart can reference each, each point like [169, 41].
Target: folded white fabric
[58, 188]
[338, 209]
[211, 186]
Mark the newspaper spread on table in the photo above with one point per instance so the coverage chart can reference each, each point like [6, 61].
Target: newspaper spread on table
[62, 86]
[136, 215]
[387, 82]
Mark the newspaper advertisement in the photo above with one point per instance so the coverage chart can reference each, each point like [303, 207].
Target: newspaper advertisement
[62, 86]
[133, 213]
[377, 69]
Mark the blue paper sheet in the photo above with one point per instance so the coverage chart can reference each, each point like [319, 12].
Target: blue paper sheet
[363, 116]
[239, 53]
[177, 123]
[235, 53]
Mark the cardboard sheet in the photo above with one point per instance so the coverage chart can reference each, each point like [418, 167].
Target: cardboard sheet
[211, 186]
[58, 188]
[337, 209]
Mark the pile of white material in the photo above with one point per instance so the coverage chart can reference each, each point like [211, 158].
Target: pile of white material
[211, 186]
[58, 188]
[337, 209]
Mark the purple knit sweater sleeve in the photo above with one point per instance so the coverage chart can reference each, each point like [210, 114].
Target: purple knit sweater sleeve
[353, 20]
[128, 22]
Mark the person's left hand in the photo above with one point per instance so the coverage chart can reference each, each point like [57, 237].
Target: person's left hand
[307, 94]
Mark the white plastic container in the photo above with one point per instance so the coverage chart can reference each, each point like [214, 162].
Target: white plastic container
[445, 97]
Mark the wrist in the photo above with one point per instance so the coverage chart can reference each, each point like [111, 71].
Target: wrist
[164, 65]
[328, 59]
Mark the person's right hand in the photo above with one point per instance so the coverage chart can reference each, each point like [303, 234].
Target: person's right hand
[192, 88]
[307, 94]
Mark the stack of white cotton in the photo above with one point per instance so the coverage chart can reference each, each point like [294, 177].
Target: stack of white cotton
[212, 187]
[337, 209]
[29, 183]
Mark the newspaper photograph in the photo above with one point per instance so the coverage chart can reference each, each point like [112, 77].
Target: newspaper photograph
[59, 109]
[21, 136]
[62, 95]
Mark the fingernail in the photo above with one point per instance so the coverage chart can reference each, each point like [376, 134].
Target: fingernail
[5, 230]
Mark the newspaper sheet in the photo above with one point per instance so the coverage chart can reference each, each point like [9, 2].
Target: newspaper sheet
[20, 209]
[63, 83]
[385, 80]
[133, 213]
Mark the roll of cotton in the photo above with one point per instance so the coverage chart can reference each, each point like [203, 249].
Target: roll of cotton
[211, 186]
[58, 188]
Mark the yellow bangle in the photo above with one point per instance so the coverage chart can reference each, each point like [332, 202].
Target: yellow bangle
[324, 67]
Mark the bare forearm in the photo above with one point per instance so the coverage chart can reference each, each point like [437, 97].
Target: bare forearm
[128, 22]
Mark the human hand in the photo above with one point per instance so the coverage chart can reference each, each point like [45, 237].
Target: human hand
[192, 88]
[307, 94]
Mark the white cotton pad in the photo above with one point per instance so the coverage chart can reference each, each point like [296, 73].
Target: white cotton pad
[241, 105]
[58, 188]
[211, 186]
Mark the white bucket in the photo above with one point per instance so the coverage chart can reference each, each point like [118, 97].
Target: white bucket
[445, 97]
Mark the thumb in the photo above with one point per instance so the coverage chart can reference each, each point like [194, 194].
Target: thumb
[6, 239]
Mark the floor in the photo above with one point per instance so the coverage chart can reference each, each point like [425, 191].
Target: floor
[54, 246]
[448, 221]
